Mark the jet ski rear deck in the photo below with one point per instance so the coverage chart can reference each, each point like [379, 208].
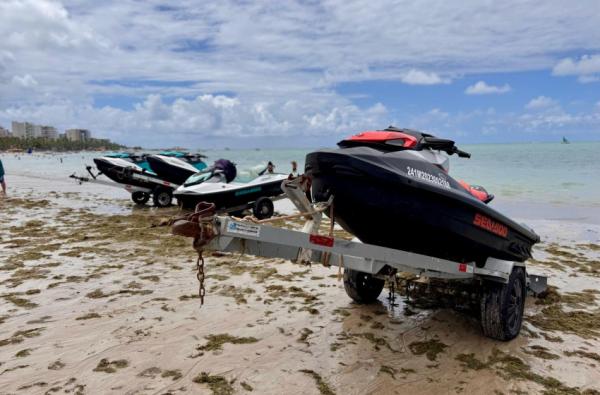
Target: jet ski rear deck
[392, 188]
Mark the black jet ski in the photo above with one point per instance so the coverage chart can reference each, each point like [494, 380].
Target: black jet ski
[121, 170]
[174, 169]
[215, 186]
[392, 188]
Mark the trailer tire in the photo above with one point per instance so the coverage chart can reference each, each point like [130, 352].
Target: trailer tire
[140, 197]
[502, 306]
[162, 197]
[362, 287]
[263, 208]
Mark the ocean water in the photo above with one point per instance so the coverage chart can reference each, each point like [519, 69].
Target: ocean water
[562, 180]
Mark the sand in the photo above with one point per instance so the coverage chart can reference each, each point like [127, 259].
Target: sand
[98, 297]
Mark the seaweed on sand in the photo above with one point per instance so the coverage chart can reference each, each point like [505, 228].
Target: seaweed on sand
[237, 293]
[510, 367]
[540, 352]
[322, 385]
[20, 336]
[431, 348]
[174, 374]
[217, 384]
[216, 342]
[107, 366]
[578, 322]
[583, 354]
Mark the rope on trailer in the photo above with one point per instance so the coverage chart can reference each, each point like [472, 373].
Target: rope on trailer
[327, 255]
[283, 217]
[340, 267]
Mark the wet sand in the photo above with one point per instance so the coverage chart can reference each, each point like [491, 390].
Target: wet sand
[98, 297]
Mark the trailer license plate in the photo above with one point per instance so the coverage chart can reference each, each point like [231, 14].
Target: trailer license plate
[243, 229]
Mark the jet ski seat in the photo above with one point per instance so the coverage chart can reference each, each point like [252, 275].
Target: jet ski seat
[477, 191]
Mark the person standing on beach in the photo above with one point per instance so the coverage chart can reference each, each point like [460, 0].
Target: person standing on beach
[2, 182]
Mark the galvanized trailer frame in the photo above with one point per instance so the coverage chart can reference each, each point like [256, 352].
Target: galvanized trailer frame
[260, 239]
[160, 186]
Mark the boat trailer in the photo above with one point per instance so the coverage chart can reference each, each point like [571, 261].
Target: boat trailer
[501, 285]
[161, 192]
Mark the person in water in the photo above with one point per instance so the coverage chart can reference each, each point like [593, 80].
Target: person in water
[270, 169]
[294, 172]
[2, 182]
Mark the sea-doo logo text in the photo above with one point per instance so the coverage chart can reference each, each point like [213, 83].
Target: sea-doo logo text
[490, 225]
[420, 174]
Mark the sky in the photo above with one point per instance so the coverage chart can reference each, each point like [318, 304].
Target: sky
[200, 73]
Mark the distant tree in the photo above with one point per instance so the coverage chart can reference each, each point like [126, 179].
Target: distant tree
[59, 145]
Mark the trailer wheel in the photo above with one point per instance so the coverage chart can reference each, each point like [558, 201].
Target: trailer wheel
[140, 197]
[162, 197]
[362, 287]
[263, 208]
[502, 306]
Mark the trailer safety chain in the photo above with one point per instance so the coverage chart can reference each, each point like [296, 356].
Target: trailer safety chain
[200, 226]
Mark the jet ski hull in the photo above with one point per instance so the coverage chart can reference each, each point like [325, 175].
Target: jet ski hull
[229, 198]
[174, 170]
[120, 170]
[398, 201]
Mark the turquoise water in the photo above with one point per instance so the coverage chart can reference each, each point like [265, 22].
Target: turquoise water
[548, 173]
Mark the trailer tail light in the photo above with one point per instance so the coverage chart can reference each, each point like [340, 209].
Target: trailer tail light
[321, 240]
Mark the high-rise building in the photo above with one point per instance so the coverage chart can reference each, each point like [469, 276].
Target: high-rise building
[29, 130]
[78, 134]
[25, 130]
[4, 132]
[49, 132]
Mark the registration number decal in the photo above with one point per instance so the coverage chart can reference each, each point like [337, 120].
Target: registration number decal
[243, 229]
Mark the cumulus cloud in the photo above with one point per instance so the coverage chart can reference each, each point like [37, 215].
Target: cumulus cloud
[481, 88]
[587, 68]
[419, 77]
[25, 81]
[271, 61]
[541, 102]
[187, 121]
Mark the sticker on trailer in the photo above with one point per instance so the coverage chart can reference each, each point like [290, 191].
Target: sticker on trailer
[243, 229]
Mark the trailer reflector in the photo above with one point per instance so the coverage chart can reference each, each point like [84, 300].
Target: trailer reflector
[321, 240]
[465, 268]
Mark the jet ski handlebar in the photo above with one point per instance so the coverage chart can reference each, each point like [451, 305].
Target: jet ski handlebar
[445, 145]
[461, 154]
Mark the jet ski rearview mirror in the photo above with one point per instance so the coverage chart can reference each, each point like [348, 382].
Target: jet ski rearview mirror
[462, 154]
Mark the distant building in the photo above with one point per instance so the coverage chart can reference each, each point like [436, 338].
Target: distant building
[4, 132]
[78, 134]
[49, 132]
[25, 130]
[30, 130]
